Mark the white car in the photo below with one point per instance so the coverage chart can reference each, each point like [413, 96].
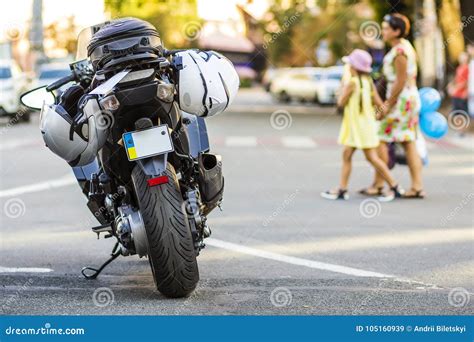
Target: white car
[328, 85]
[49, 73]
[13, 83]
[273, 73]
[317, 85]
[296, 84]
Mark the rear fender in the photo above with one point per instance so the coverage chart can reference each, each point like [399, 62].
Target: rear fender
[154, 166]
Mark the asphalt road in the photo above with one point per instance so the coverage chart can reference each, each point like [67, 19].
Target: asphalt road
[276, 248]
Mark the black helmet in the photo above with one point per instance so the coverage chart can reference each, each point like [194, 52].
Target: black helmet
[123, 37]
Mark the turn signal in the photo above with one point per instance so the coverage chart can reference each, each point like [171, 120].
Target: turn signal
[165, 92]
[110, 103]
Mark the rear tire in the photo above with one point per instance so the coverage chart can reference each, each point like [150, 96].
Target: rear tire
[170, 244]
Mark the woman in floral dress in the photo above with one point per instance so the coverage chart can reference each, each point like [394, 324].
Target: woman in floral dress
[399, 114]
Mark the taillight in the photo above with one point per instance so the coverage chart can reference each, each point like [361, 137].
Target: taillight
[157, 180]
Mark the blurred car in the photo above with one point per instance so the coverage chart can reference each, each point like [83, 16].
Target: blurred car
[328, 85]
[49, 73]
[272, 73]
[13, 83]
[297, 84]
[318, 85]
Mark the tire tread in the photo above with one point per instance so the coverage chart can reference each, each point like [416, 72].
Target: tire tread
[171, 249]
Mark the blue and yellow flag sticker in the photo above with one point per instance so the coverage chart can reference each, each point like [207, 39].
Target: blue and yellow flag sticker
[130, 145]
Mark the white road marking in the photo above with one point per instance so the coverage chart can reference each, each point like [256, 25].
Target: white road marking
[24, 270]
[265, 109]
[420, 238]
[48, 185]
[451, 171]
[308, 142]
[241, 141]
[294, 260]
[451, 158]
[298, 142]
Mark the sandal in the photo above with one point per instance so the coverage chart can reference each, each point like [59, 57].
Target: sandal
[396, 192]
[340, 194]
[415, 194]
[366, 192]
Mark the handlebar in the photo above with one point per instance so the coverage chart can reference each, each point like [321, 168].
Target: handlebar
[168, 53]
[61, 82]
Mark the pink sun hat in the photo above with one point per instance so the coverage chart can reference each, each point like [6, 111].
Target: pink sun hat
[360, 60]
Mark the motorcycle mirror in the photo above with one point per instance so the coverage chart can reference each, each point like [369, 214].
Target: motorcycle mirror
[35, 98]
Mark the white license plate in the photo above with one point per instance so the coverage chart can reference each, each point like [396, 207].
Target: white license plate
[147, 143]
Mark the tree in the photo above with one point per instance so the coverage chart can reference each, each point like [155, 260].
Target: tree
[175, 20]
[294, 32]
[63, 34]
[280, 25]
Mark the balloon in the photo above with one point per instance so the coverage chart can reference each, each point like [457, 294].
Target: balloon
[434, 125]
[430, 100]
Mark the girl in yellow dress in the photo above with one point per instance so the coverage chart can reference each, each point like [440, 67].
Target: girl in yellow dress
[359, 126]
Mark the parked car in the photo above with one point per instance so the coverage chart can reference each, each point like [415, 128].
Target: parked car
[296, 84]
[273, 73]
[12, 84]
[49, 73]
[328, 85]
[317, 85]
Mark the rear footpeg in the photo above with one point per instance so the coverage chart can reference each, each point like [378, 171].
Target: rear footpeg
[104, 228]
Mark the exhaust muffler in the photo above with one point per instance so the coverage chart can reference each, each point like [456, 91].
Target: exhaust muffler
[211, 180]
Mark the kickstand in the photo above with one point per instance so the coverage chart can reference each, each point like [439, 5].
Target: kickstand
[95, 271]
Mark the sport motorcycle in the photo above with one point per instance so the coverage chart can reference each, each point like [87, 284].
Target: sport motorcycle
[130, 121]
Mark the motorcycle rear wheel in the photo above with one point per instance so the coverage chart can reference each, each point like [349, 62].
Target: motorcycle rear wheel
[171, 250]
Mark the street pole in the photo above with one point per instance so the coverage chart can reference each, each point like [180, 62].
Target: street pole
[36, 34]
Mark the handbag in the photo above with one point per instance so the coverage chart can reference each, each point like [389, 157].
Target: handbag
[396, 153]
